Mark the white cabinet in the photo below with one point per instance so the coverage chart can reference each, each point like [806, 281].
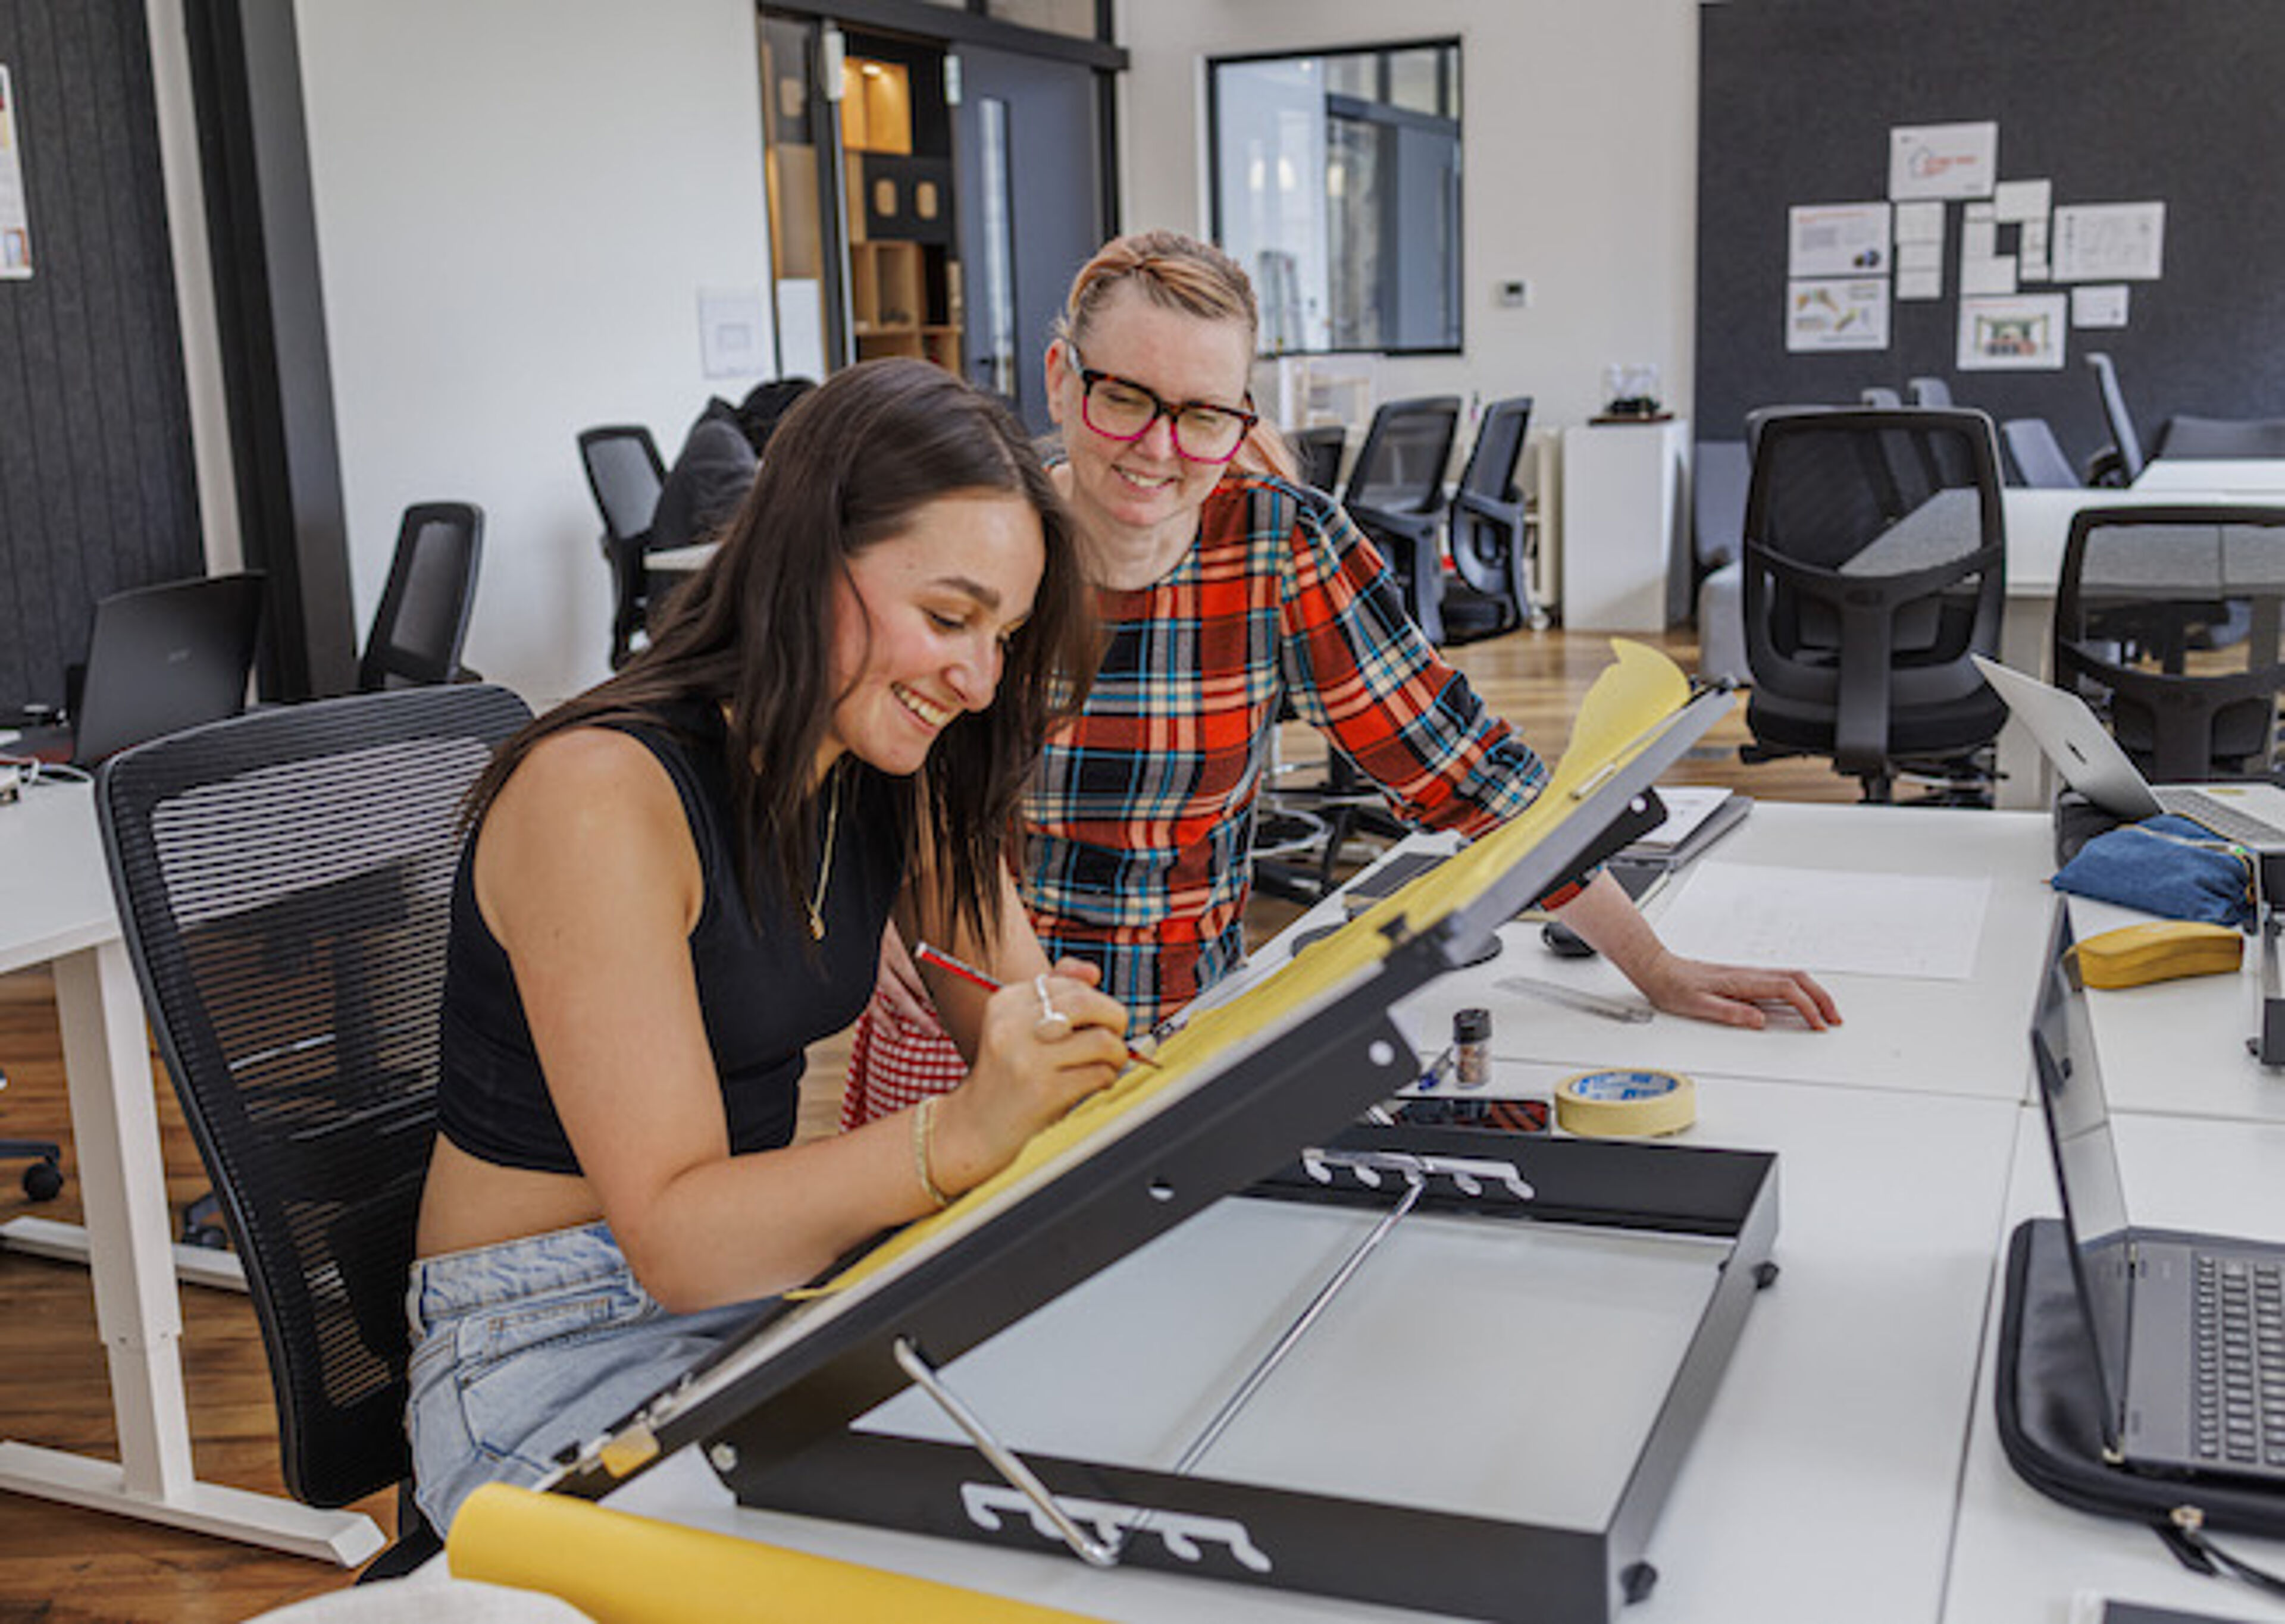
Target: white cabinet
[1625, 525]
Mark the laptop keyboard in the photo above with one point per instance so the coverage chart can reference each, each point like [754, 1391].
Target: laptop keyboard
[2241, 1361]
[2219, 816]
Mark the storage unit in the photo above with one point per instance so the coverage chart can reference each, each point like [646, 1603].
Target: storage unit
[1625, 526]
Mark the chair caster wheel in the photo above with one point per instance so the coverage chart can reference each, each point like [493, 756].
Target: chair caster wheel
[1636, 1581]
[43, 1180]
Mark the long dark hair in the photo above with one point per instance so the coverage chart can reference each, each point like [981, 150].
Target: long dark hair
[849, 466]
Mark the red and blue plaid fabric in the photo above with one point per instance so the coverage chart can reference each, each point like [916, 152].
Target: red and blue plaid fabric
[1140, 824]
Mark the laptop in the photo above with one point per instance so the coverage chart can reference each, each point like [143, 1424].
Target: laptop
[159, 659]
[2092, 762]
[2189, 1329]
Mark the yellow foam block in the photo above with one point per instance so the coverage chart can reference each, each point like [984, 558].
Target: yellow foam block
[2159, 950]
[618, 1568]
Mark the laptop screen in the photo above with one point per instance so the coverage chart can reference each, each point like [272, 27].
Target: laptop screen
[2086, 1164]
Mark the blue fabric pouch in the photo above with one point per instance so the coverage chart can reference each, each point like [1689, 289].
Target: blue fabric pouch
[2165, 865]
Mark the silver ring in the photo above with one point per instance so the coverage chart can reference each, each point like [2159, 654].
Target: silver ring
[1053, 1023]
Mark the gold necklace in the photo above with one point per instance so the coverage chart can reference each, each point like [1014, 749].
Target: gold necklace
[825, 864]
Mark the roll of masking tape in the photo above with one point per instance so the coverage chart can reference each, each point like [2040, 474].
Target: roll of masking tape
[1625, 1104]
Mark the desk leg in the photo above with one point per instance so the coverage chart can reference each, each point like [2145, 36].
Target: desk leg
[2025, 782]
[138, 1314]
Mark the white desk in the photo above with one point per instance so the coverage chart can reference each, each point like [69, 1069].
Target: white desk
[1885, 1274]
[2139, 1033]
[55, 909]
[1847, 1468]
[2018, 1555]
[1885, 1039]
[2255, 478]
[680, 561]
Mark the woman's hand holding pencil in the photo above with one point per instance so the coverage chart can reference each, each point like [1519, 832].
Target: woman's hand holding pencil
[1046, 1043]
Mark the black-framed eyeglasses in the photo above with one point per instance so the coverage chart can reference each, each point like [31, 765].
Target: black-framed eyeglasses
[1121, 409]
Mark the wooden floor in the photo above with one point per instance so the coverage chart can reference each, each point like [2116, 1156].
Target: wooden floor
[58, 1564]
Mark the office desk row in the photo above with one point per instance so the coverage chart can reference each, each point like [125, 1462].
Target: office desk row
[1849, 1468]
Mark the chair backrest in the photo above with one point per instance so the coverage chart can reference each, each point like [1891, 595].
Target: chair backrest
[2202, 437]
[1926, 392]
[1320, 449]
[1880, 395]
[285, 878]
[2039, 457]
[2166, 621]
[1402, 467]
[625, 473]
[1489, 474]
[422, 623]
[166, 657]
[1487, 518]
[2123, 441]
[1874, 565]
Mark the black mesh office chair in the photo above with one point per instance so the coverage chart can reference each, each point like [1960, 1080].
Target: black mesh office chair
[284, 881]
[1488, 535]
[2038, 456]
[2120, 462]
[422, 623]
[626, 474]
[2166, 621]
[1874, 567]
[1320, 450]
[1395, 494]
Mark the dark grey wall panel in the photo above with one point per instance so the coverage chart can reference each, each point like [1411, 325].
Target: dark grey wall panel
[97, 491]
[2114, 100]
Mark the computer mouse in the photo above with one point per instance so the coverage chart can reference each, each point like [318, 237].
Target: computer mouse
[1564, 942]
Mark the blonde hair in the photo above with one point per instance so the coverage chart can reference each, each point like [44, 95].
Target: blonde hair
[1180, 273]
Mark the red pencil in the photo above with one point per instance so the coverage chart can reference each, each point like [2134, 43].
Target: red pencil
[944, 961]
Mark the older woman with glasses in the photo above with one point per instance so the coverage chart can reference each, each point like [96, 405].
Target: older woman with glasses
[1226, 588]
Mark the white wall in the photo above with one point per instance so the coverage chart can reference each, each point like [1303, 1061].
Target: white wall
[1579, 146]
[517, 204]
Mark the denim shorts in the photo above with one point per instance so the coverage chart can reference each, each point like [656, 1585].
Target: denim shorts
[523, 1348]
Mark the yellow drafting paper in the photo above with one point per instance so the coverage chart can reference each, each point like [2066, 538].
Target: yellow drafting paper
[1621, 713]
[618, 1568]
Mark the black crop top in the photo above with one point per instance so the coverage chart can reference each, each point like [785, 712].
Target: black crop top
[765, 997]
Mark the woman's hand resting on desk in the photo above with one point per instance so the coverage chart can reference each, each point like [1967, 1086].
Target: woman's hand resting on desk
[1733, 995]
[1046, 1044]
[1605, 919]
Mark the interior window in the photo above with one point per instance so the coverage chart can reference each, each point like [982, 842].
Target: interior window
[1337, 185]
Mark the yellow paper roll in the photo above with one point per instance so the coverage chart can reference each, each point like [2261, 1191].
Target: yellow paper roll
[1625, 1104]
[620, 1568]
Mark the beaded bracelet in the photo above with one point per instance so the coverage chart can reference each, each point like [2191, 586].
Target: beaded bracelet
[923, 1126]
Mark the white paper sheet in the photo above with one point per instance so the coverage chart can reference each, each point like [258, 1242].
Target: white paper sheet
[15, 221]
[1919, 222]
[2110, 242]
[1837, 240]
[1826, 922]
[2099, 304]
[1835, 314]
[2022, 199]
[1943, 161]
